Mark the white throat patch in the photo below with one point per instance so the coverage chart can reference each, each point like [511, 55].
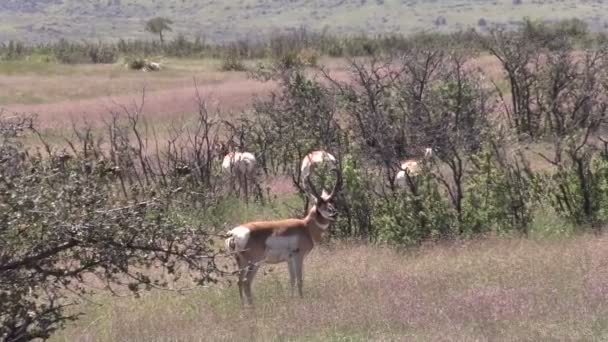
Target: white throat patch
[323, 226]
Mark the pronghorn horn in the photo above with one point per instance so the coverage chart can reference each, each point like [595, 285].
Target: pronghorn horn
[312, 188]
[338, 184]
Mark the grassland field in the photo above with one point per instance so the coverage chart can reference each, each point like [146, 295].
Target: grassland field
[550, 286]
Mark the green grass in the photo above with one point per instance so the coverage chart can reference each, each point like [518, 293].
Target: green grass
[32, 67]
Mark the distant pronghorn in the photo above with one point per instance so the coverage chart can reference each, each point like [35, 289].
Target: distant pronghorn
[288, 240]
[312, 161]
[314, 158]
[242, 166]
[412, 167]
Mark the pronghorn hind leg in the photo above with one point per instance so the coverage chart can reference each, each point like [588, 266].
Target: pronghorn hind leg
[249, 275]
[242, 276]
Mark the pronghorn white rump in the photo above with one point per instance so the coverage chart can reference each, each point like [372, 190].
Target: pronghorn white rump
[239, 162]
[238, 239]
[241, 165]
[288, 240]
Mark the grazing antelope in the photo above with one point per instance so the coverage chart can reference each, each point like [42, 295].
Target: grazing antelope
[412, 167]
[314, 158]
[241, 165]
[310, 162]
[280, 241]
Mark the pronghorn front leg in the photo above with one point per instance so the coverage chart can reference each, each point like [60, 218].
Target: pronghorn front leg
[298, 261]
[291, 265]
[241, 283]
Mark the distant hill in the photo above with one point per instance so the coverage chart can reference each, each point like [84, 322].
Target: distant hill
[223, 20]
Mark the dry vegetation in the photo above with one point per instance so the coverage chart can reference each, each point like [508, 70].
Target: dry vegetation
[85, 92]
[483, 290]
[59, 94]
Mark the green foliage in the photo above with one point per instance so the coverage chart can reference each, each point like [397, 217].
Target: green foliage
[498, 198]
[413, 215]
[12, 51]
[60, 222]
[66, 214]
[356, 201]
[158, 25]
[136, 63]
[231, 62]
[289, 60]
[72, 53]
[578, 191]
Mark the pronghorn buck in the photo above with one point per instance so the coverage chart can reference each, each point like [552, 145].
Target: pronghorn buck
[241, 165]
[288, 240]
[412, 167]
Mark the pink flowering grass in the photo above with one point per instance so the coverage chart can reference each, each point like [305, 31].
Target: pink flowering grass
[497, 289]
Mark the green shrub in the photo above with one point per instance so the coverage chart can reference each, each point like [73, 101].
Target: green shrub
[102, 54]
[356, 201]
[308, 57]
[409, 218]
[231, 62]
[136, 63]
[289, 60]
[498, 198]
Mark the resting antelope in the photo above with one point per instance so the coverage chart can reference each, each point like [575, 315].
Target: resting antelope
[412, 167]
[280, 241]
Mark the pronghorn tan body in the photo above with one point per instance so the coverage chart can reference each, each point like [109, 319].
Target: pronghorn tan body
[241, 165]
[412, 167]
[280, 241]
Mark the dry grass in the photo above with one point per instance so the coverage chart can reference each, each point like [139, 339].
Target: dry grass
[91, 92]
[62, 93]
[486, 290]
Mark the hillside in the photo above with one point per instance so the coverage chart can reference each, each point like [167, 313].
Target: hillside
[221, 20]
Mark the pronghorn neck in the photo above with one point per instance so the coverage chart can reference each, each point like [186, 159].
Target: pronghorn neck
[316, 224]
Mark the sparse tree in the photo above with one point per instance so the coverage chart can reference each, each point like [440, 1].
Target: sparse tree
[158, 25]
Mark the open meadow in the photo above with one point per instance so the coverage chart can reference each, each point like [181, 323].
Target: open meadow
[483, 290]
[114, 203]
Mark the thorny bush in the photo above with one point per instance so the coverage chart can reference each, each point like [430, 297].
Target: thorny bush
[93, 215]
